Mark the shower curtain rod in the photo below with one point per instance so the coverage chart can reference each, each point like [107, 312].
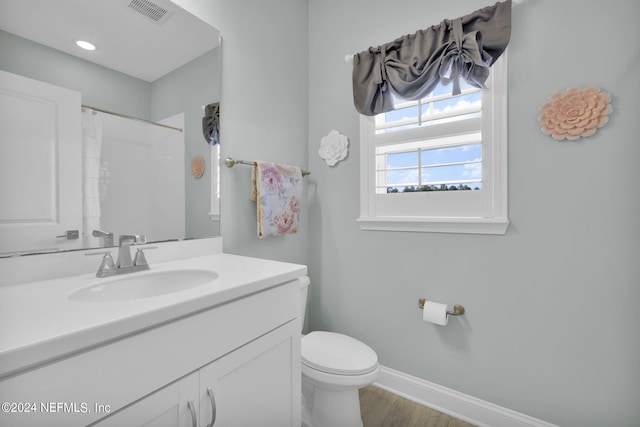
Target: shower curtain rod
[130, 117]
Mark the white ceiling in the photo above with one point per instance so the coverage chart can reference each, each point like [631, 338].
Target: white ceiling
[126, 41]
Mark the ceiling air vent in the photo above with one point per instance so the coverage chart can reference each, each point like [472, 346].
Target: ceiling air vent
[150, 10]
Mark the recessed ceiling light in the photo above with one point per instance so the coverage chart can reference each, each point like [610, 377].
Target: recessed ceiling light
[85, 45]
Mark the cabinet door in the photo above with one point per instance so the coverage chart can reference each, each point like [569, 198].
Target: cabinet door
[175, 405]
[257, 384]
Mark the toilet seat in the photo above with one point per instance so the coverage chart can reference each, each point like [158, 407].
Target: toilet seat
[337, 354]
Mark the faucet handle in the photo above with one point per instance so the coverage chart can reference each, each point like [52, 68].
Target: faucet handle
[107, 262]
[140, 259]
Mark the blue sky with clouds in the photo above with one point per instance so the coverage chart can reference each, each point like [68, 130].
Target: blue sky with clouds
[438, 165]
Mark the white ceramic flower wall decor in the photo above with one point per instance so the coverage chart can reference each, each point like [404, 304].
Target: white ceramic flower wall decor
[575, 113]
[334, 147]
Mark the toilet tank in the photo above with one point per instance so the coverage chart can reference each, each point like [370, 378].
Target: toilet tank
[304, 290]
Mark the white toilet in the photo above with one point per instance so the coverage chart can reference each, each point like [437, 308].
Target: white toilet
[334, 367]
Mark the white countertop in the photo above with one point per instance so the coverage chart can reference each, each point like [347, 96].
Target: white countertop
[39, 323]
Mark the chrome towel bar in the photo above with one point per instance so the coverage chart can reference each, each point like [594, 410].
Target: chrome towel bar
[229, 162]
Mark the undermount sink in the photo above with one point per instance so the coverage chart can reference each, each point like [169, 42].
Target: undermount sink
[143, 285]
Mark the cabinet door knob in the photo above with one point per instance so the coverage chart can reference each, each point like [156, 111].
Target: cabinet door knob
[194, 420]
[213, 407]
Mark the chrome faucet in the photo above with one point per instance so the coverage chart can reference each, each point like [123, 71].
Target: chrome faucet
[124, 251]
[106, 238]
[125, 264]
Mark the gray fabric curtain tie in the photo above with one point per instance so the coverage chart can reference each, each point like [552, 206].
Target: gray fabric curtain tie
[380, 76]
[411, 66]
[464, 57]
[372, 80]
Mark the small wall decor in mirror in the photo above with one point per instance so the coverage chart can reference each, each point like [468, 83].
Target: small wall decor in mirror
[98, 143]
[197, 167]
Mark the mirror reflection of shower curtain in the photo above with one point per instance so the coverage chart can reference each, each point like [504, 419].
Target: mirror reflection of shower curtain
[91, 146]
[142, 178]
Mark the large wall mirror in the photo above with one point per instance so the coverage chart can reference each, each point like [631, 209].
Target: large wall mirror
[99, 143]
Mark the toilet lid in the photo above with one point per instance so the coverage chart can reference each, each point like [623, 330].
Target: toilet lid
[337, 354]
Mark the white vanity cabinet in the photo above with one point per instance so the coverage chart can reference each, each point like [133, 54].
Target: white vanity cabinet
[246, 351]
[170, 406]
[251, 386]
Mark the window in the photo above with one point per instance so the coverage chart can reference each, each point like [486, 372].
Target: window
[214, 213]
[438, 164]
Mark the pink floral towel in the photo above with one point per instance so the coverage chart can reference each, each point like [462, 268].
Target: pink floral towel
[277, 190]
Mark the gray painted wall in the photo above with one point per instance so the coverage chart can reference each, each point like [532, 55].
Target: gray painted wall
[186, 90]
[551, 328]
[100, 86]
[263, 110]
[533, 338]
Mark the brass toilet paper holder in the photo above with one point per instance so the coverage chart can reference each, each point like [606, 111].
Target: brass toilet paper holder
[458, 309]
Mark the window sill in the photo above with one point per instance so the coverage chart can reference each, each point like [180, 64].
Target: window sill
[436, 225]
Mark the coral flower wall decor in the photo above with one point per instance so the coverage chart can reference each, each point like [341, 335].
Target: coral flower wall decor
[575, 113]
[197, 167]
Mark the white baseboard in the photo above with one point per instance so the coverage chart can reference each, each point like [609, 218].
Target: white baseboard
[454, 403]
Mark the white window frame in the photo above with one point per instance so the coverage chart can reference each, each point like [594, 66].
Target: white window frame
[492, 218]
[214, 213]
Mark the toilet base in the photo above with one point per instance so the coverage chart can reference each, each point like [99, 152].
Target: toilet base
[330, 407]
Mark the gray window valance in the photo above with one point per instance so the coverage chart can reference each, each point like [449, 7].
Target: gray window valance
[211, 123]
[411, 66]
